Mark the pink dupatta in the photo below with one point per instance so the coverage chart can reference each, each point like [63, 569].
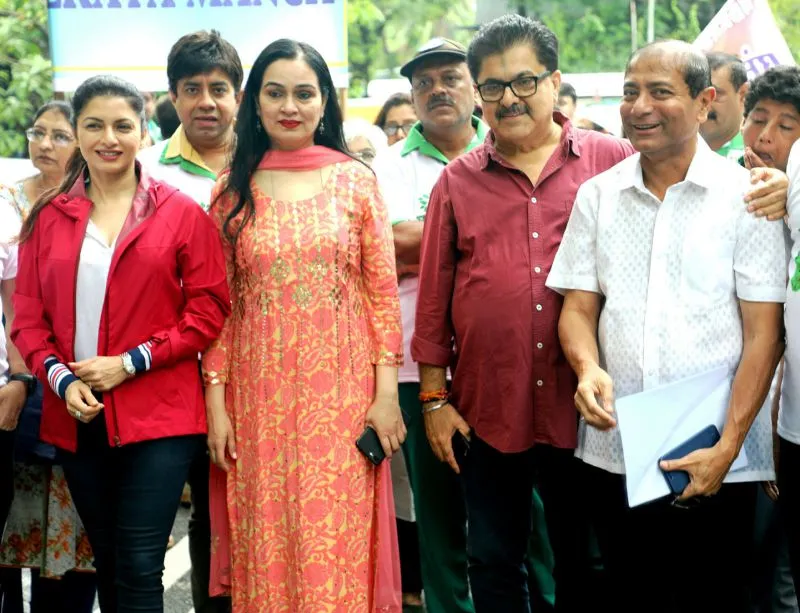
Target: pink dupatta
[387, 590]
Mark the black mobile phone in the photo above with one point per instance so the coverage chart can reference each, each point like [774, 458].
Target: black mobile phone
[678, 480]
[370, 445]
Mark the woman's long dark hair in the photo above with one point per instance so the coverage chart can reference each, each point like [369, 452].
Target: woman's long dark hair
[252, 143]
[102, 85]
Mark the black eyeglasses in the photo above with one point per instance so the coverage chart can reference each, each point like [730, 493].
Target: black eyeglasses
[521, 87]
[390, 129]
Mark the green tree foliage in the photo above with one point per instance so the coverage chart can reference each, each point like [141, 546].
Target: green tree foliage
[596, 36]
[26, 75]
[383, 34]
[787, 14]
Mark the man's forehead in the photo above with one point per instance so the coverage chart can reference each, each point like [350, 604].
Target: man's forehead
[721, 76]
[214, 77]
[662, 60]
[436, 65]
[518, 58]
[652, 71]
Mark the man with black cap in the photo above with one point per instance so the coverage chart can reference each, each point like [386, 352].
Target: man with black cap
[443, 98]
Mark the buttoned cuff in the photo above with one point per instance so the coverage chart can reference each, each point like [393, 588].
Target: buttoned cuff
[426, 352]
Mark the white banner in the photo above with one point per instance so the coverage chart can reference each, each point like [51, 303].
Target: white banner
[747, 29]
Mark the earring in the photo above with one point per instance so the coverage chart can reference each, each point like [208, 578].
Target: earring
[321, 128]
[258, 125]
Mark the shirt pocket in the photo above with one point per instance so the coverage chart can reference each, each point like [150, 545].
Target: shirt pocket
[706, 268]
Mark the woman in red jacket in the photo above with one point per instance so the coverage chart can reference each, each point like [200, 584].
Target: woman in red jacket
[121, 283]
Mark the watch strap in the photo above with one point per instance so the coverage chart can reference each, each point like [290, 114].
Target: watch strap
[27, 379]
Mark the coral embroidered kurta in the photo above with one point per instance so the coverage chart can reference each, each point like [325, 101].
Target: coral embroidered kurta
[315, 307]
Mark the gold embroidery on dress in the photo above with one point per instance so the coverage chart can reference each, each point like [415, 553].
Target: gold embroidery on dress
[279, 269]
[302, 296]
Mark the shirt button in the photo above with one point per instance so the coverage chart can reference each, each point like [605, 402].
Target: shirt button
[538, 307]
[535, 235]
[537, 269]
[533, 200]
[539, 345]
[540, 383]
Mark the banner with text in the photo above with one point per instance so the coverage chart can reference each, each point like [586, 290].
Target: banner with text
[747, 29]
[132, 38]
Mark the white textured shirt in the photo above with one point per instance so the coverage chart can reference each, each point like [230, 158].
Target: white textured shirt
[672, 274]
[90, 291]
[9, 228]
[789, 417]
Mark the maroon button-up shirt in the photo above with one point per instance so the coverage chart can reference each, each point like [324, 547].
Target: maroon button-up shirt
[489, 240]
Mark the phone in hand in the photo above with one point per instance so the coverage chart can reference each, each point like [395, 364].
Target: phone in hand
[370, 445]
[678, 480]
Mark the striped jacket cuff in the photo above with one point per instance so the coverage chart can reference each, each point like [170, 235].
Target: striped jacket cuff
[58, 376]
[142, 357]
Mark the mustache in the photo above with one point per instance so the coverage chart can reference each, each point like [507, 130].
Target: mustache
[515, 109]
[439, 101]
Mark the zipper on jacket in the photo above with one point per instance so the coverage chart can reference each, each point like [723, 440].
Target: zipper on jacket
[117, 441]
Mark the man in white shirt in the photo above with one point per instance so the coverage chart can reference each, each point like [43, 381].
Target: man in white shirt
[205, 79]
[666, 275]
[789, 417]
[407, 171]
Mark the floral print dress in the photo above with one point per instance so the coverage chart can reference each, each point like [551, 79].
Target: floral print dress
[315, 308]
[43, 530]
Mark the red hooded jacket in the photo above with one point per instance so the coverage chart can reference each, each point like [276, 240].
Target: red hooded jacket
[167, 285]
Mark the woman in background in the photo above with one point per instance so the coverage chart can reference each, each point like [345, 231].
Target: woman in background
[43, 531]
[396, 117]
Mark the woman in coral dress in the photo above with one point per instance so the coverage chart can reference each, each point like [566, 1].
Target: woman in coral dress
[307, 359]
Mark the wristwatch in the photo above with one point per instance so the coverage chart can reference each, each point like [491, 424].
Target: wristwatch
[127, 364]
[27, 379]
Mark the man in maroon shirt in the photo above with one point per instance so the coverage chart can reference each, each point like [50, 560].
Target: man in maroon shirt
[494, 222]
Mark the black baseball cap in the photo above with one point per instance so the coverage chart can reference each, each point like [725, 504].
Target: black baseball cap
[443, 47]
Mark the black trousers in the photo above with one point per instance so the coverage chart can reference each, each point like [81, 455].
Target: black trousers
[789, 501]
[661, 558]
[498, 488]
[48, 595]
[6, 473]
[127, 498]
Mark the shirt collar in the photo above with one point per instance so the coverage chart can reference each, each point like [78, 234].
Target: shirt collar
[180, 151]
[569, 138]
[701, 169]
[416, 141]
[142, 205]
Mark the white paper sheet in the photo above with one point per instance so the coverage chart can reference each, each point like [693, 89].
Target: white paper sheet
[654, 422]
